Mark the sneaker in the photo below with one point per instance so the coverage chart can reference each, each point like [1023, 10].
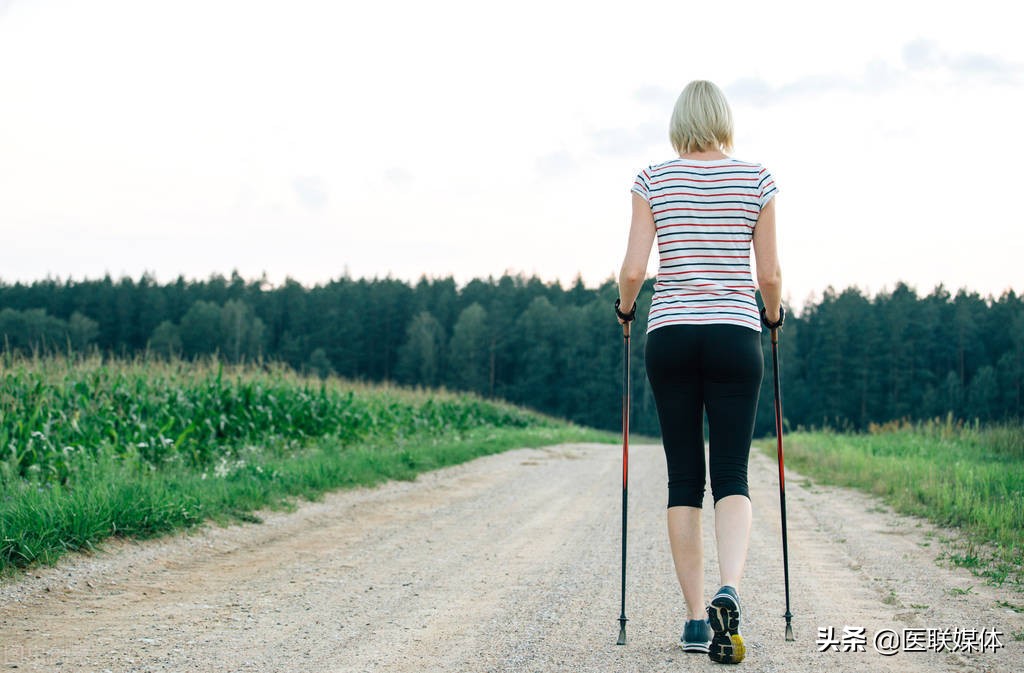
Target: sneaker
[724, 617]
[696, 636]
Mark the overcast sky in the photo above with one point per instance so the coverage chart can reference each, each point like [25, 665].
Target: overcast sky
[307, 139]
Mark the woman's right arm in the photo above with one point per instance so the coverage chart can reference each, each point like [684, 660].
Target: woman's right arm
[769, 275]
[642, 231]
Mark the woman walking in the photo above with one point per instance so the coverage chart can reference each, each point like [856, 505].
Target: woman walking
[707, 210]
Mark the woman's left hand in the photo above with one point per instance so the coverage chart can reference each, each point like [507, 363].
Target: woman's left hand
[625, 316]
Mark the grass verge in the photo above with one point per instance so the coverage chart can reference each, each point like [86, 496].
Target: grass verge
[39, 525]
[971, 478]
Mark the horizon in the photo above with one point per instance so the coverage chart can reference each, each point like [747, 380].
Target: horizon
[266, 285]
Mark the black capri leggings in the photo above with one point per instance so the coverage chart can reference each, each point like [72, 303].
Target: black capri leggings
[713, 367]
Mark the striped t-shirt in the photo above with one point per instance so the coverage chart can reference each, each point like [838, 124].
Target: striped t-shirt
[705, 212]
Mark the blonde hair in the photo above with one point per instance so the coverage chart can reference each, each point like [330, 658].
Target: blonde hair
[701, 119]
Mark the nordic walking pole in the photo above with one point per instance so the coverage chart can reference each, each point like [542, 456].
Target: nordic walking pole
[625, 458]
[782, 472]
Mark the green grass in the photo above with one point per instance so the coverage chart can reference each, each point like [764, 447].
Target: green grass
[967, 477]
[92, 449]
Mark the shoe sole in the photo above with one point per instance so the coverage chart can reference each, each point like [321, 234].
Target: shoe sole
[695, 647]
[727, 644]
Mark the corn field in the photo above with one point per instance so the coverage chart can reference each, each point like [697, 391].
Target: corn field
[59, 414]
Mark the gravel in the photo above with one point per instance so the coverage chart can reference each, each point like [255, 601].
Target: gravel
[507, 563]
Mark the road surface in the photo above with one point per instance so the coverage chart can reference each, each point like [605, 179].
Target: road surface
[507, 563]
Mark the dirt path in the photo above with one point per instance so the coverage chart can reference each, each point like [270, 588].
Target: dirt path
[508, 563]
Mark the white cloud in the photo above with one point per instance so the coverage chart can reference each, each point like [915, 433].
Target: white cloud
[555, 164]
[924, 54]
[625, 141]
[399, 178]
[918, 56]
[658, 96]
[311, 190]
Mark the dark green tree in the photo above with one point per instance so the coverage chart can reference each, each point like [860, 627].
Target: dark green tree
[469, 351]
[201, 329]
[421, 357]
[983, 395]
[320, 364]
[166, 340]
[242, 333]
[82, 331]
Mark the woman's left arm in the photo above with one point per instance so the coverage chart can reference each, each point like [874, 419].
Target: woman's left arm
[634, 266]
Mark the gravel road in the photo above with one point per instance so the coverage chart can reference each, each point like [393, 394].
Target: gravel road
[507, 563]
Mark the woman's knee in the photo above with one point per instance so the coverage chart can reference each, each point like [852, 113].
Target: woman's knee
[685, 493]
[735, 487]
[729, 476]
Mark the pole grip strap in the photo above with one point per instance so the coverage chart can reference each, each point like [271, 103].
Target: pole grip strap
[769, 324]
[626, 317]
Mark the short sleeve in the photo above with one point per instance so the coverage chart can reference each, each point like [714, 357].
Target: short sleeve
[642, 185]
[766, 186]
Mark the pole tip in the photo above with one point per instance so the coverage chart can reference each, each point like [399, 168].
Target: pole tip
[789, 632]
[622, 633]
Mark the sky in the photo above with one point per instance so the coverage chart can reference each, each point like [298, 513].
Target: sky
[310, 139]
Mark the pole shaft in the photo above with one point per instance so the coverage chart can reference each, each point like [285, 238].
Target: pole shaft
[625, 460]
[782, 470]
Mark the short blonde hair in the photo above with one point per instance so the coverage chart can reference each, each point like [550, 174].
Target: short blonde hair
[701, 119]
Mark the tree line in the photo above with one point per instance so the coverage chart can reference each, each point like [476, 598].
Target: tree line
[848, 359]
